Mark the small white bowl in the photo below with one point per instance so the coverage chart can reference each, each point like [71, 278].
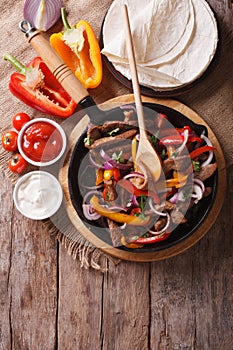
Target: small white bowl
[41, 163]
[38, 195]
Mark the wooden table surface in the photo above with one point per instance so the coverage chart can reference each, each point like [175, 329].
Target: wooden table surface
[47, 301]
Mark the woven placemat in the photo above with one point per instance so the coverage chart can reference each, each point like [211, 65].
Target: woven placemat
[210, 104]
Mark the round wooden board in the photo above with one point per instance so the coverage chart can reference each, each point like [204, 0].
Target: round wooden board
[165, 253]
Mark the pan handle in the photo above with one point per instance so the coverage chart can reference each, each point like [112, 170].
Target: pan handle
[57, 66]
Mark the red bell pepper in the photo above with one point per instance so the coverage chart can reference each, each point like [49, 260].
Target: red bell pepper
[153, 239]
[36, 86]
[128, 186]
[197, 152]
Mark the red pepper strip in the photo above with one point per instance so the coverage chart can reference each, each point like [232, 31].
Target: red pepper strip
[128, 186]
[153, 239]
[197, 152]
[178, 139]
[48, 96]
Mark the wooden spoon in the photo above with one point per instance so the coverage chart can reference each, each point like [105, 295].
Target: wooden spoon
[146, 154]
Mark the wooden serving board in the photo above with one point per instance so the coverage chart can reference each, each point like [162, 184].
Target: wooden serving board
[165, 253]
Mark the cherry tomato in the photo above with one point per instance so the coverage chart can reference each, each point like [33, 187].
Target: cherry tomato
[17, 163]
[9, 140]
[19, 120]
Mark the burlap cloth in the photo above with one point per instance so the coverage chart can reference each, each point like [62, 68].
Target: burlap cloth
[212, 97]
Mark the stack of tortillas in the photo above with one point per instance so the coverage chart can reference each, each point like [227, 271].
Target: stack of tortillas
[174, 40]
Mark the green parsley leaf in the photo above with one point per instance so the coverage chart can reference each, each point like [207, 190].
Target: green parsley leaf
[196, 165]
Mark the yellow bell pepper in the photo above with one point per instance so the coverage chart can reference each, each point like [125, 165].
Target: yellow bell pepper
[118, 217]
[177, 181]
[79, 49]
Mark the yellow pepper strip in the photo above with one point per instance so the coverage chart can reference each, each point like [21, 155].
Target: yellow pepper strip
[79, 49]
[177, 182]
[99, 177]
[131, 245]
[118, 217]
[134, 149]
[108, 174]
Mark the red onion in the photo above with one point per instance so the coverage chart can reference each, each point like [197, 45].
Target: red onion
[156, 233]
[134, 174]
[42, 14]
[211, 153]
[110, 162]
[96, 165]
[185, 135]
[158, 212]
[200, 183]
[89, 212]
[197, 193]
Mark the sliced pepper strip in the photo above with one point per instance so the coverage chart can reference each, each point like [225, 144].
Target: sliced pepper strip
[36, 86]
[128, 186]
[118, 217]
[83, 55]
[197, 152]
[153, 239]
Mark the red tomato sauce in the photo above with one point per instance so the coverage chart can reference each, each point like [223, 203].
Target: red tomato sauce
[42, 142]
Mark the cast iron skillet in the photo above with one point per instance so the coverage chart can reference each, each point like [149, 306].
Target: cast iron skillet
[195, 217]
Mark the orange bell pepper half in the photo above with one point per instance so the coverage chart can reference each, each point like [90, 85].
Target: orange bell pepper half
[79, 49]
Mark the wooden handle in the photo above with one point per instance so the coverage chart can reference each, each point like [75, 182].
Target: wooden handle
[57, 66]
[133, 70]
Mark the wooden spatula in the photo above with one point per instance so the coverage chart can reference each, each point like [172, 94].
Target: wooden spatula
[146, 155]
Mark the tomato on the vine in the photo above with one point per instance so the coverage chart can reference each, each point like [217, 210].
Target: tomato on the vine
[17, 163]
[19, 120]
[9, 140]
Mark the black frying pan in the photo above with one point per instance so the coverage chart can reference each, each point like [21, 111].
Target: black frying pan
[100, 229]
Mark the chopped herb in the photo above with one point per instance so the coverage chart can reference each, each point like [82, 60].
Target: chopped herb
[163, 154]
[118, 157]
[140, 215]
[196, 165]
[154, 139]
[88, 140]
[142, 202]
[113, 132]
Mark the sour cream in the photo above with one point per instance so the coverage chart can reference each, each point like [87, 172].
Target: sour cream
[38, 195]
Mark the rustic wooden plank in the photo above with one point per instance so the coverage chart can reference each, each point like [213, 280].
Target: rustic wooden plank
[126, 307]
[28, 275]
[191, 294]
[80, 305]
[5, 261]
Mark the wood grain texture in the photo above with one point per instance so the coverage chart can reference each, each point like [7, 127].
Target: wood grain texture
[47, 301]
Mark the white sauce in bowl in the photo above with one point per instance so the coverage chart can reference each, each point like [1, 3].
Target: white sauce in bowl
[38, 195]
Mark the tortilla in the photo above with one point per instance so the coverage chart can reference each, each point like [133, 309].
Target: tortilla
[153, 25]
[183, 62]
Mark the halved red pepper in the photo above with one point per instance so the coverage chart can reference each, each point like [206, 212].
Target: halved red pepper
[36, 86]
[197, 152]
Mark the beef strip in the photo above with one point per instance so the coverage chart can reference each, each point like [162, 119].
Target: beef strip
[111, 139]
[111, 193]
[206, 172]
[98, 132]
[115, 233]
[179, 163]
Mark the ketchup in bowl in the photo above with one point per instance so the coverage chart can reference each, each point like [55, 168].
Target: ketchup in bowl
[41, 142]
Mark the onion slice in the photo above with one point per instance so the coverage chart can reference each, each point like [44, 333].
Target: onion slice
[156, 233]
[211, 153]
[42, 14]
